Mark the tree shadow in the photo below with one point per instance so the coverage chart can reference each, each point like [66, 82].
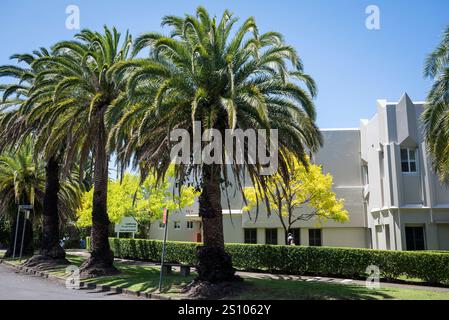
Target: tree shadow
[143, 278]
[289, 289]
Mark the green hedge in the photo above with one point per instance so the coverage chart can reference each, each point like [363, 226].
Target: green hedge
[320, 261]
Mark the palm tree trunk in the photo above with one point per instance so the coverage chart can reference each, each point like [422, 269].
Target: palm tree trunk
[50, 251]
[214, 264]
[102, 257]
[50, 226]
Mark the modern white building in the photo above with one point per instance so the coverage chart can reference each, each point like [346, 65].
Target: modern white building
[407, 207]
[381, 170]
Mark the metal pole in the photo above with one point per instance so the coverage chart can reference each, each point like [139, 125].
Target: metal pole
[17, 231]
[25, 216]
[163, 252]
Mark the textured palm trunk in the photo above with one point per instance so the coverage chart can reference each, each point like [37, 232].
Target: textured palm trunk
[50, 251]
[214, 264]
[50, 247]
[102, 258]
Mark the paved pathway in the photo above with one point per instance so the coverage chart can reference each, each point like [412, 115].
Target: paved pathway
[21, 286]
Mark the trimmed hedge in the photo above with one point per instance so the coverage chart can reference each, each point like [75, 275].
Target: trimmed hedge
[320, 261]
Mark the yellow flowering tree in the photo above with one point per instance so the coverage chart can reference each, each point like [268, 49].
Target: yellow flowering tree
[300, 194]
[145, 202]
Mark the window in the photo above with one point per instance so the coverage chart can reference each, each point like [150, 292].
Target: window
[189, 224]
[271, 236]
[250, 235]
[177, 225]
[161, 225]
[315, 237]
[408, 160]
[387, 237]
[365, 175]
[414, 238]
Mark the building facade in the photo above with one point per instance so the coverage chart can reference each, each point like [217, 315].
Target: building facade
[381, 170]
[407, 207]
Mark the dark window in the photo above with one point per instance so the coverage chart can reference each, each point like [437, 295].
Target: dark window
[315, 237]
[250, 235]
[404, 166]
[295, 233]
[408, 160]
[271, 236]
[414, 238]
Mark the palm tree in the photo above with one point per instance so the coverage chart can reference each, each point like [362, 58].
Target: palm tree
[73, 94]
[15, 127]
[436, 122]
[227, 79]
[23, 181]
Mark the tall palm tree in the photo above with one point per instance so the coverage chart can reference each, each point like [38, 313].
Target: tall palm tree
[15, 127]
[73, 94]
[227, 79]
[436, 121]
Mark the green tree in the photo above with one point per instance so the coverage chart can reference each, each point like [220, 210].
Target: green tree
[79, 100]
[436, 121]
[22, 181]
[228, 79]
[143, 201]
[15, 127]
[300, 194]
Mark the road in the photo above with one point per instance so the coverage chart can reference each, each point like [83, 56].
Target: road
[20, 286]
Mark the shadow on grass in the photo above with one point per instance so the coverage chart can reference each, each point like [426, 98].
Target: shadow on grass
[271, 289]
[143, 279]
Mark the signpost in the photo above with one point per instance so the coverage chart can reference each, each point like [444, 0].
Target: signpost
[165, 221]
[26, 210]
[127, 224]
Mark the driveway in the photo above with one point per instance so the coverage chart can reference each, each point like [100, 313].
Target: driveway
[20, 286]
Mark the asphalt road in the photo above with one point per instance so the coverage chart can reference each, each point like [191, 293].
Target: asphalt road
[19, 286]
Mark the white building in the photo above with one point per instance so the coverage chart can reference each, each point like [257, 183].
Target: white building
[381, 170]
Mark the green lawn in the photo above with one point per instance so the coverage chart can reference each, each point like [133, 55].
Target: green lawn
[146, 278]
[136, 278]
[268, 289]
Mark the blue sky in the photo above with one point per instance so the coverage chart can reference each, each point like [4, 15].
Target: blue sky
[352, 65]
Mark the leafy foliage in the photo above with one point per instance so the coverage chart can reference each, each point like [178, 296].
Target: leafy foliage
[299, 194]
[73, 92]
[436, 121]
[22, 181]
[142, 201]
[228, 78]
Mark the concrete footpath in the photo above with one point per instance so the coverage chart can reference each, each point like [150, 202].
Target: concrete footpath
[22, 286]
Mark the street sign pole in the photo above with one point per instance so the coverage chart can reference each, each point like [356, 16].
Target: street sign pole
[26, 215]
[17, 231]
[163, 248]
